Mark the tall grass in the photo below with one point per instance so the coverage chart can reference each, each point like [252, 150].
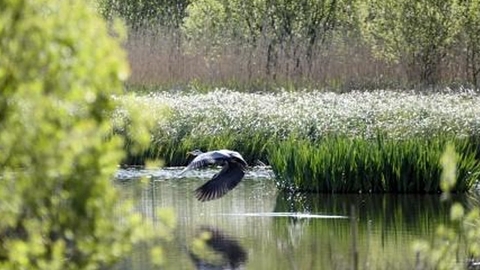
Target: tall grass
[162, 60]
[346, 165]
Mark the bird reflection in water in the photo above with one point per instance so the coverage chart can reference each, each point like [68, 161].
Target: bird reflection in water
[212, 249]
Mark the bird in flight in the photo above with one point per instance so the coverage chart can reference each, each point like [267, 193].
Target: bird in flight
[232, 172]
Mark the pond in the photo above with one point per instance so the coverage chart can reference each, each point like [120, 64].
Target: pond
[267, 229]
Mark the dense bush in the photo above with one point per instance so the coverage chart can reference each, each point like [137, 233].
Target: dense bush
[58, 70]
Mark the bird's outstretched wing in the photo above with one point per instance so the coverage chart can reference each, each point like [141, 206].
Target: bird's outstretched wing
[221, 183]
[206, 159]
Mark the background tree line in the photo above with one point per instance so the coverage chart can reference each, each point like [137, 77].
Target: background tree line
[328, 43]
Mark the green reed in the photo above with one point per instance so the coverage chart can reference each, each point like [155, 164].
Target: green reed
[351, 165]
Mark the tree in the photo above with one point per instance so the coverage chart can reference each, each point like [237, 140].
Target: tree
[58, 71]
[293, 29]
[470, 38]
[418, 32]
[146, 14]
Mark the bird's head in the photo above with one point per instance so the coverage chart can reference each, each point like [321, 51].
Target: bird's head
[195, 152]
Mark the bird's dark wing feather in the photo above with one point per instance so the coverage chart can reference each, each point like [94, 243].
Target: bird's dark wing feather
[222, 182]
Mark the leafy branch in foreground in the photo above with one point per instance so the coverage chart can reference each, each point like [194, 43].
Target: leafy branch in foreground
[59, 68]
[457, 245]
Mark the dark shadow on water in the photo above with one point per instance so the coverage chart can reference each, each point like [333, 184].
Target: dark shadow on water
[208, 248]
[214, 249]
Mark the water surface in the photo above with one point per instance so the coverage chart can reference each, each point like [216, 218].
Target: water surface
[286, 231]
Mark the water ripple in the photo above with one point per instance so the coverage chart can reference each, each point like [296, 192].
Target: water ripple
[284, 214]
[168, 173]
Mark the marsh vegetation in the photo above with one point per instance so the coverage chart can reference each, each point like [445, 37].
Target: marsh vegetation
[382, 141]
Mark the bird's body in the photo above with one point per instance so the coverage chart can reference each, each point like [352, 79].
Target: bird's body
[233, 170]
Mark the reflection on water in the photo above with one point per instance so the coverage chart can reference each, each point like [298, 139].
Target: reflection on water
[284, 231]
[213, 249]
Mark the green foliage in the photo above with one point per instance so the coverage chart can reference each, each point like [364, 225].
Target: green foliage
[422, 32]
[448, 161]
[207, 23]
[295, 29]
[455, 246]
[248, 21]
[470, 37]
[58, 71]
[146, 14]
[345, 165]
